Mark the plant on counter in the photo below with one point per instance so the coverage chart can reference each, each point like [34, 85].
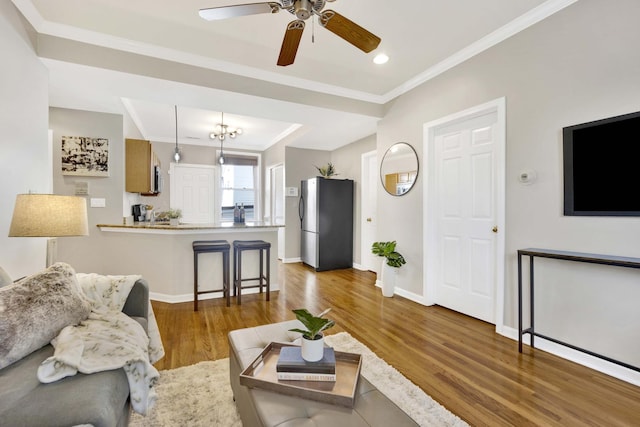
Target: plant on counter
[174, 213]
[388, 250]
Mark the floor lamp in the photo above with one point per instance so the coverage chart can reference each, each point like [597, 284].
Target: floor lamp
[49, 215]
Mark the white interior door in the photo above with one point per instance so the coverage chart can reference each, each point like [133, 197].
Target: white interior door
[368, 211]
[192, 190]
[466, 203]
[275, 200]
[277, 194]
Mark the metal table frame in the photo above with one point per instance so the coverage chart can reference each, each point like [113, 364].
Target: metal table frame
[611, 260]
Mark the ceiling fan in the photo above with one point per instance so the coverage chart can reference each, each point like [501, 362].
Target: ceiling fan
[302, 10]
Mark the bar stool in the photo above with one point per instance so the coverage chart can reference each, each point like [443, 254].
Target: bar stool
[207, 246]
[264, 278]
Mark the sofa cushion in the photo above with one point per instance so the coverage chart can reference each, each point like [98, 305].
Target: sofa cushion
[35, 309]
[98, 399]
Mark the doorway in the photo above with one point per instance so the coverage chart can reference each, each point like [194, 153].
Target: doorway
[464, 208]
[368, 215]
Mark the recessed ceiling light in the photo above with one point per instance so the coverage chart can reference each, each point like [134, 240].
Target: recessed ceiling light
[380, 58]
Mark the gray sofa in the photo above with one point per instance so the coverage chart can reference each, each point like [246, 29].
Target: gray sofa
[100, 399]
[259, 407]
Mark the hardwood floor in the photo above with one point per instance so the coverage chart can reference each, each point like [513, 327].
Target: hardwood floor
[459, 361]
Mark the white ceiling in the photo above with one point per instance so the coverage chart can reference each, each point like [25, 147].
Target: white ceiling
[332, 95]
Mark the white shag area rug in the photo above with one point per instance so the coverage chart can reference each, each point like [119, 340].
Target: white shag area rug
[200, 394]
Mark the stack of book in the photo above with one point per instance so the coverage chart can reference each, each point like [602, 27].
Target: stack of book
[291, 366]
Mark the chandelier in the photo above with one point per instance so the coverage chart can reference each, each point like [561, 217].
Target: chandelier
[223, 131]
[221, 134]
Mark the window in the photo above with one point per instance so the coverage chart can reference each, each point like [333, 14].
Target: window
[239, 178]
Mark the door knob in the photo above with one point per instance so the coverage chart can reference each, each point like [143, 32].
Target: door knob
[495, 229]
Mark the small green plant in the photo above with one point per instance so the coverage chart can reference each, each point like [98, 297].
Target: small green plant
[328, 170]
[314, 324]
[174, 213]
[388, 250]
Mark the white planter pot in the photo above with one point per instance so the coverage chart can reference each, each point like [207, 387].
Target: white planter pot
[388, 279]
[312, 350]
[174, 221]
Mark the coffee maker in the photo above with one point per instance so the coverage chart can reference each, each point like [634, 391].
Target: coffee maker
[139, 213]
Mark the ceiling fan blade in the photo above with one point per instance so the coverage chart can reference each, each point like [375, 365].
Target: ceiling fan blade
[225, 12]
[349, 31]
[290, 43]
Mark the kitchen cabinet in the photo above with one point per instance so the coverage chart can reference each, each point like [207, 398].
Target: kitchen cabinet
[399, 183]
[142, 168]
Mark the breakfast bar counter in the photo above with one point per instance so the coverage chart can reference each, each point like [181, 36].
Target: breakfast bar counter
[163, 255]
[165, 228]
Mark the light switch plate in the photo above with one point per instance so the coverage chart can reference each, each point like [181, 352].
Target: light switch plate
[292, 191]
[98, 203]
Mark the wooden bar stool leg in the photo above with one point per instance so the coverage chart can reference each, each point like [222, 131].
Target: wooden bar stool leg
[225, 272]
[235, 270]
[268, 274]
[195, 281]
[260, 274]
[239, 285]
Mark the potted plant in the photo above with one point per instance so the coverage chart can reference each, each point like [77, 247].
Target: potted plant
[312, 338]
[174, 216]
[394, 260]
[327, 171]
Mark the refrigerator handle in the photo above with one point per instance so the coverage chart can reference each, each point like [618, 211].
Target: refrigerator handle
[301, 209]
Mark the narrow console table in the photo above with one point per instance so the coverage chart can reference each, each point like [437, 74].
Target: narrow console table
[532, 253]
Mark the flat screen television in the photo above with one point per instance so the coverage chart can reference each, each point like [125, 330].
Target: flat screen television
[602, 167]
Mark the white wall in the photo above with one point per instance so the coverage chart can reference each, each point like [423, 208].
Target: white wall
[24, 153]
[578, 65]
[84, 253]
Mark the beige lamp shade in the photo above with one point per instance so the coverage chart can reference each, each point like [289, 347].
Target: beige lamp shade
[49, 215]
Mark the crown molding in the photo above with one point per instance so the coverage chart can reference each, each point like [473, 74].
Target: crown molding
[514, 27]
[526, 20]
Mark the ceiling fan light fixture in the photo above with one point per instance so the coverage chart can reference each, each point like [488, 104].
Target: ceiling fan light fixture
[302, 9]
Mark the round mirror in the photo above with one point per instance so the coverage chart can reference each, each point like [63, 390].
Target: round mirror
[399, 169]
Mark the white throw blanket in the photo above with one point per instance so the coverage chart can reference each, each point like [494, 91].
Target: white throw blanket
[108, 339]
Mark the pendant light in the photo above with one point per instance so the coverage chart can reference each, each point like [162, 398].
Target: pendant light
[176, 154]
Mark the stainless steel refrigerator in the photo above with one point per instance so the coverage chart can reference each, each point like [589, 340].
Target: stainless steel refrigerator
[326, 219]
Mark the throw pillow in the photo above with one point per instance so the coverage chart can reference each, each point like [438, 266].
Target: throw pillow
[35, 309]
[5, 279]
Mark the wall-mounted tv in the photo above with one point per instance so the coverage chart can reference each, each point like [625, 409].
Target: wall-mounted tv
[602, 167]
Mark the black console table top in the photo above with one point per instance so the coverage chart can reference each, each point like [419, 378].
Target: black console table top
[614, 260]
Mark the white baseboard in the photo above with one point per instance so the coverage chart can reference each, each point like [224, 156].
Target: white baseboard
[404, 293]
[584, 359]
[173, 299]
[291, 260]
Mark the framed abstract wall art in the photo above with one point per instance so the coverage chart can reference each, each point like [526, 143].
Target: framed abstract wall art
[85, 156]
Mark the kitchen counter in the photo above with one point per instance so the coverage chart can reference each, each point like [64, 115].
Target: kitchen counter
[163, 255]
[164, 228]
